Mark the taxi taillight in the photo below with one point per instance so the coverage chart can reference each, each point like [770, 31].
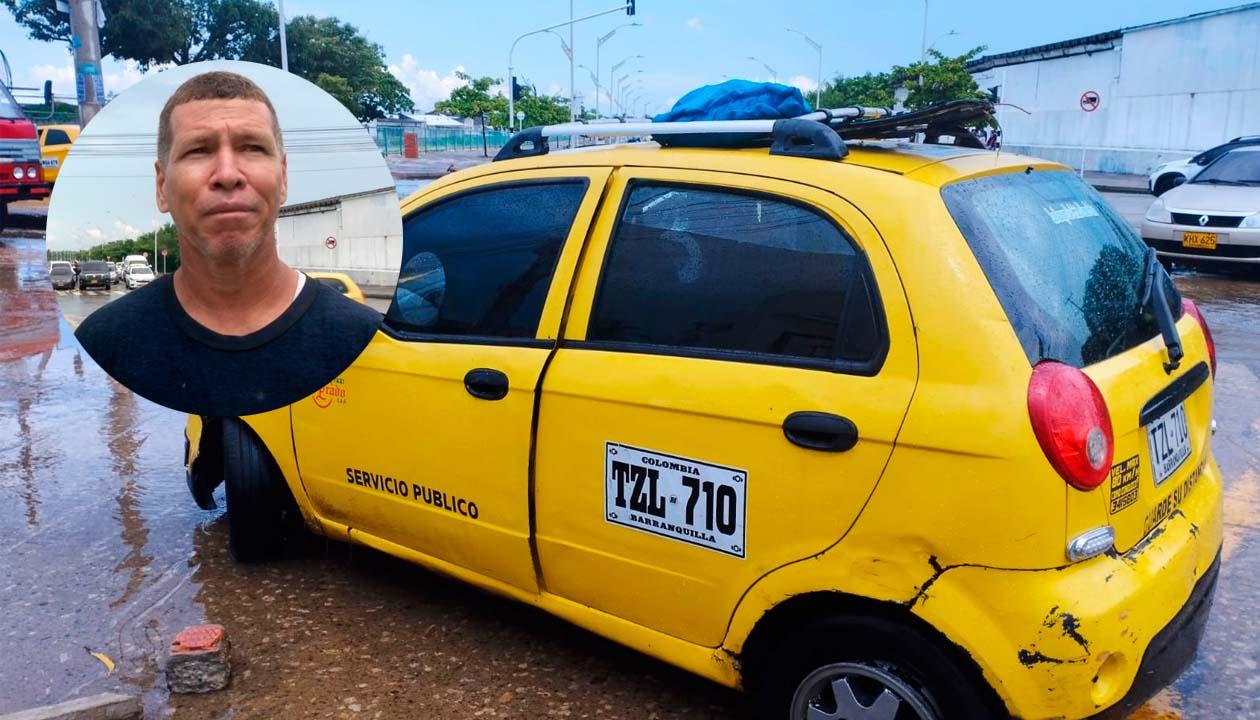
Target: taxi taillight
[1069, 417]
[1188, 306]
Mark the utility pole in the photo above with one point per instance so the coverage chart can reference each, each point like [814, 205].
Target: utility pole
[284, 46]
[85, 22]
[572, 47]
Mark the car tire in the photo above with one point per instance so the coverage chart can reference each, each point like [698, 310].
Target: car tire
[1164, 183]
[850, 661]
[261, 512]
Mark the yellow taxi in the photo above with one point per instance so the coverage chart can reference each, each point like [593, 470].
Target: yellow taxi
[54, 143]
[870, 429]
[340, 282]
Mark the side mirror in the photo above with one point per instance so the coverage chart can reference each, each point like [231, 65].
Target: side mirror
[1179, 180]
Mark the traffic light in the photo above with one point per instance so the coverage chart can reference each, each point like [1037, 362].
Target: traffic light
[629, 7]
[48, 93]
[516, 90]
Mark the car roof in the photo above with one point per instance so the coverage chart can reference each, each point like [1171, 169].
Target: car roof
[948, 163]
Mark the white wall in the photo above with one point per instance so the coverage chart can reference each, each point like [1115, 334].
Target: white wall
[1167, 92]
[368, 229]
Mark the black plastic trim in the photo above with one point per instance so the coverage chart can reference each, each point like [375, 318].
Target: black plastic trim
[820, 431]
[486, 383]
[806, 139]
[515, 147]
[1176, 393]
[418, 336]
[869, 367]
[846, 367]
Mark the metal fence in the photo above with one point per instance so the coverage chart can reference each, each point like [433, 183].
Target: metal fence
[437, 139]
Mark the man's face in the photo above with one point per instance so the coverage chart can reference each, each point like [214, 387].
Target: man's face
[225, 177]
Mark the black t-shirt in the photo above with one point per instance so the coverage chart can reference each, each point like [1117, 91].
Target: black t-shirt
[147, 342]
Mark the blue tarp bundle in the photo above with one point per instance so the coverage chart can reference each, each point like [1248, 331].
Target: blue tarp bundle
[732, 100]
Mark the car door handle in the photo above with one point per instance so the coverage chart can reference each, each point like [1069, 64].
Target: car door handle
[486, 384]
[820, 431]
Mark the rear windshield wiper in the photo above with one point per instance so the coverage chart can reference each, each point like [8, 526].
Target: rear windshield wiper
[1153, 289]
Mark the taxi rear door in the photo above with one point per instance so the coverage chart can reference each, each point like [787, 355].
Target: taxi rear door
[734, 372]
[423, 444]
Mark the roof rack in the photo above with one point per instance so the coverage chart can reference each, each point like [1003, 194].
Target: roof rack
[819, 134]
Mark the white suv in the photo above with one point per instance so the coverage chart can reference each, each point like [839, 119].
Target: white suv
[1164, 177]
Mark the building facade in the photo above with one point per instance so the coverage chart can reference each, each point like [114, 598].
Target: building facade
[365, 230]
[1165, 90]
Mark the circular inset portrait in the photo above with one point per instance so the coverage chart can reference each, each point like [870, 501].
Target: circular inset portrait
[218, 218]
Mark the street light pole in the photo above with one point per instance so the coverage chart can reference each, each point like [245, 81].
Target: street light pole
[599, 42]
[774, 76]
[923, 42]
[512, 50]
[818, 47]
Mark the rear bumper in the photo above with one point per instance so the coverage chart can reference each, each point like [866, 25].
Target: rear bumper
[1108, 632]
[1171, 651]
[24, 192]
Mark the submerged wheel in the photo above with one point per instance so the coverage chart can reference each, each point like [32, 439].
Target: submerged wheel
[261, 511]
[868, 668]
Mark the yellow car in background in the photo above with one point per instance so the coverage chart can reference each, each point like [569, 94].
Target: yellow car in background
[872, 430]
[340, 282]
[54, 143]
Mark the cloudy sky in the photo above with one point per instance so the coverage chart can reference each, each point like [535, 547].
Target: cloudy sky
[105, 191]
[684, 44]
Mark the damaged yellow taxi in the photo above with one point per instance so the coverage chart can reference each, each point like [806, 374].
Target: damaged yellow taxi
[870, 429]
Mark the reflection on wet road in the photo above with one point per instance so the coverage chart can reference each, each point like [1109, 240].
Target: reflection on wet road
[102, 548]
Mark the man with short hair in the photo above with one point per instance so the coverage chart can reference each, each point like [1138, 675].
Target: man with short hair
[234, 331]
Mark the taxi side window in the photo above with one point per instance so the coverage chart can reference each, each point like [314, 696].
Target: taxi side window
[701, 271]
[56, 137]
[479, 263]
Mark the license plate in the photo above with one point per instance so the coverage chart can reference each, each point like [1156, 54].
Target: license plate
[1169, 440]
[682, 499]
[1200, 240]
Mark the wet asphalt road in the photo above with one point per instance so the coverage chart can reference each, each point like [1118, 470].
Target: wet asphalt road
[101, 548]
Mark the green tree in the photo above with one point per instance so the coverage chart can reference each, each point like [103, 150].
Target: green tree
[172, 31]
[940, 79]
[116, 250]
[336, 57]
[542, 109]
[472, 98]
[325, 51]
[871, 89]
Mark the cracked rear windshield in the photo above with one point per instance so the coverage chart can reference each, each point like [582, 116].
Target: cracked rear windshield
[1067, 269]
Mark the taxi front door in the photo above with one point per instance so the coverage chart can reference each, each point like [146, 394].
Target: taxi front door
[422, 447]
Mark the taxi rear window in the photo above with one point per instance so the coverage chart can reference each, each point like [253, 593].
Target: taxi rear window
[1066, 267]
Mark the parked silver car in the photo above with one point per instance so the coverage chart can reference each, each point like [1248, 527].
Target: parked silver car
[1213, 218]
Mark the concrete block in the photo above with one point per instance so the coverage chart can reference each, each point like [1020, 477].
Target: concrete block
[107, 706]
[199, 660]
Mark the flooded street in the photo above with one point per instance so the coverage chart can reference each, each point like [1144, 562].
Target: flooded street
[103, 550]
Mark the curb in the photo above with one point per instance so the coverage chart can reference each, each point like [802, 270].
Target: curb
[107, 706]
